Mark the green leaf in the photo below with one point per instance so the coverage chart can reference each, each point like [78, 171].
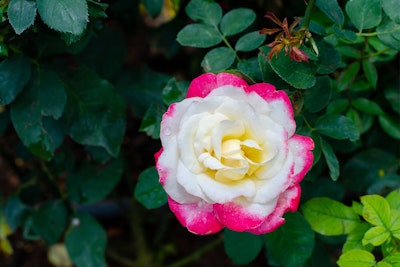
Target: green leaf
[97, 10]
[300, 75]
[152, 120]
[330, 217]
[391, 8]
[318, 96]
[174, 91]
[218, 59]
[356, 258]
[205, 11]
[328, 59]
[90, 125]
[15, 74]
[86, 241]
[393, 198]
[64, 15]
[291, 244]
[153, 7]
[337, 127]
[21, 14]
[390, 125]
[242, 247]
[332, 9]
[50, 221]
[251, 68]
[365, 14]
[376, 210]
[199, 35]
[250, 41]
[331, 160]
[376, 236]
[370, 72]
[149, 191]
[389, 33]
[348, 75]
[395, 223]
[15, 211]
[90, 184]
[355, 237]
[345, 34]
[44, 97]
[392, 95]
[230, 24]
[367, 106]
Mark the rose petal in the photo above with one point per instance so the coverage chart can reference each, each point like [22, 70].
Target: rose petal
[198, 217]
[288, 201]
[242, 216]
[205, 83]
[301, 147]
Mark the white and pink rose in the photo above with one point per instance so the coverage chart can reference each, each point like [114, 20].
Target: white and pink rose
[230, 156]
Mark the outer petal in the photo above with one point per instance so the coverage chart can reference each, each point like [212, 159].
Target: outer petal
[205, 83]
[282, 110]
[301, 147]
[198, 217]
[242, 217]
[288, 201]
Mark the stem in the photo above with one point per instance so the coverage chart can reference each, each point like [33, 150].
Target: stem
[197, 254]
[230, 47]
[307, 15]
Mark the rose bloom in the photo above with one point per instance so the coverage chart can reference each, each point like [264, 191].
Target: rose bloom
[230, 156]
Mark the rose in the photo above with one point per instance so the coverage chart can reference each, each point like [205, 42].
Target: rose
[230, 157]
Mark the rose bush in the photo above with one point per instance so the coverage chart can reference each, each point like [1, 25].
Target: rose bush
[230, 156]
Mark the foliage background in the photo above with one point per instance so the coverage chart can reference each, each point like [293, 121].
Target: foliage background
[83, 85]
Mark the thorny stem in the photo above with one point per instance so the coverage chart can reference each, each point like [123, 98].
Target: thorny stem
[307, 14]
[197, 254]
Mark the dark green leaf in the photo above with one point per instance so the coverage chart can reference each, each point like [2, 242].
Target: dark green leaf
[97, 9]
[318, 96]
[86, 241]
[142, 87]
[337, 106]
[348, 75]
[251, 68]
[389, 33]
[152, 120]
[362, 121]
[365, 14]
[345, 34]
[385, 184]
[89, 184]
[15, 73]
[330, 217]
[300, 75]
[291, 244]
[4, 120]
[174, 91]
[331, 160]
[218, 59]
[205, 11]
[391, 8]
[21, 14]
[356, 258]
[250, 41]
[199, 35]
[370, 72]
[149, 191]
[230, 24]
[64, 15]
[367, 106]
[392, 95]
[349, 51]
[50, 221]
[268, 74]
[44, 97]
[14, 211]
[391, 125]
[153, 7]
[332, 9]
[337, 127]
[95, 111]
[242, 247]
[328, 59]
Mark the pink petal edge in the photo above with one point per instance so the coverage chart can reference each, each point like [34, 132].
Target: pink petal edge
[288, 201]
[205, 83]
[198, 218]
[305, 144]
